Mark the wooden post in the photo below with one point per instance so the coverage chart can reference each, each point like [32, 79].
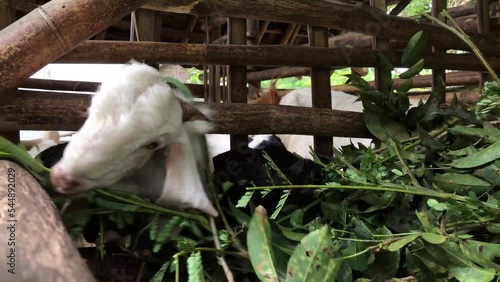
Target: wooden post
[320, 85]
[214, 70]
[383, 78]
[51, 31]
[483, 26]
[438, 74]
[237, 30]
[8, 16]
[252, 34]
[148, 28]
[7, 13]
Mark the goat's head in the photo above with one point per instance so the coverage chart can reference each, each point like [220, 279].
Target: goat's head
[131, 115]
[267, 96]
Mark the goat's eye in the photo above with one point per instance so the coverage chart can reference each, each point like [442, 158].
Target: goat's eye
[152, 146]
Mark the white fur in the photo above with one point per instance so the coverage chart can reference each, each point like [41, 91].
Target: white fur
[340, 101]
[130, 111]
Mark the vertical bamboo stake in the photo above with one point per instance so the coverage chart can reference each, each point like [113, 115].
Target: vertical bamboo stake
[382, 78]
[52, 30]
[438, 75]
[483, 26]
[320, 85]
[148, 28]
[237, 29]
[252, 33]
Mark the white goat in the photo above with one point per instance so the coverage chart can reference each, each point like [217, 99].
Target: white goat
[134, 139]
[303, 98]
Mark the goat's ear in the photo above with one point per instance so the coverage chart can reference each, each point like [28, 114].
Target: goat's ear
[183, 186]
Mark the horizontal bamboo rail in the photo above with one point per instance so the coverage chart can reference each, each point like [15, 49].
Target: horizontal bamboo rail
[269, 55]
[32, 110]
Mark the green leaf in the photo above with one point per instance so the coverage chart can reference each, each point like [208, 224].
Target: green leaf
[437, 205]
[158, 277]
[290, 234]
[467, 274]
[434, 238]
[482, 157]
[414, 70]
[312, 258]
[490, 173]
[23, 158]
[116, 206]
[195, 268]
[380, 125]
[415, 48]
[259, 246]
[461, 183]
[406, 86]
[477, 256]
[178, 85]
[401, 242]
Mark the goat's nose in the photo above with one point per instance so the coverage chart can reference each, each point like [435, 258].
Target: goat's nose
[61, 180]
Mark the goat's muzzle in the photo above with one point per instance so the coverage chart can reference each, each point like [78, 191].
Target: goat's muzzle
[62, 181]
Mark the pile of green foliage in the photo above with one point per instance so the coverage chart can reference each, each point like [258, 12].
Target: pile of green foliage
[423, 206]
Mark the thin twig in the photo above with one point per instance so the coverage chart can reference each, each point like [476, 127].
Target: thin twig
[403, 163]
[220, 256]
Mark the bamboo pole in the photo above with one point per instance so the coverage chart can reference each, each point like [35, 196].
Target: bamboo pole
[31, 110]
[52, 30]
[351, 17]
[269, 55]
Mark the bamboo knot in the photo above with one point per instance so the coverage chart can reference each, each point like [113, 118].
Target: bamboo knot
[53, 27]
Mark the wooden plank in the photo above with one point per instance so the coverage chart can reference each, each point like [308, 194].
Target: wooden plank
[483, 27]
[237, 77]
[269, 55]
[320, 86]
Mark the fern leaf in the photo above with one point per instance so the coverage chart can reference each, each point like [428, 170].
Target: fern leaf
[281, 203]
[195, 268]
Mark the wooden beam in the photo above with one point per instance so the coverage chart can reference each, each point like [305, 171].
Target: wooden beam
[31, 110]
[269, 55]
[52, 30]
[320, 87]
[277, 73]
[237, 77]
[351, 17]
